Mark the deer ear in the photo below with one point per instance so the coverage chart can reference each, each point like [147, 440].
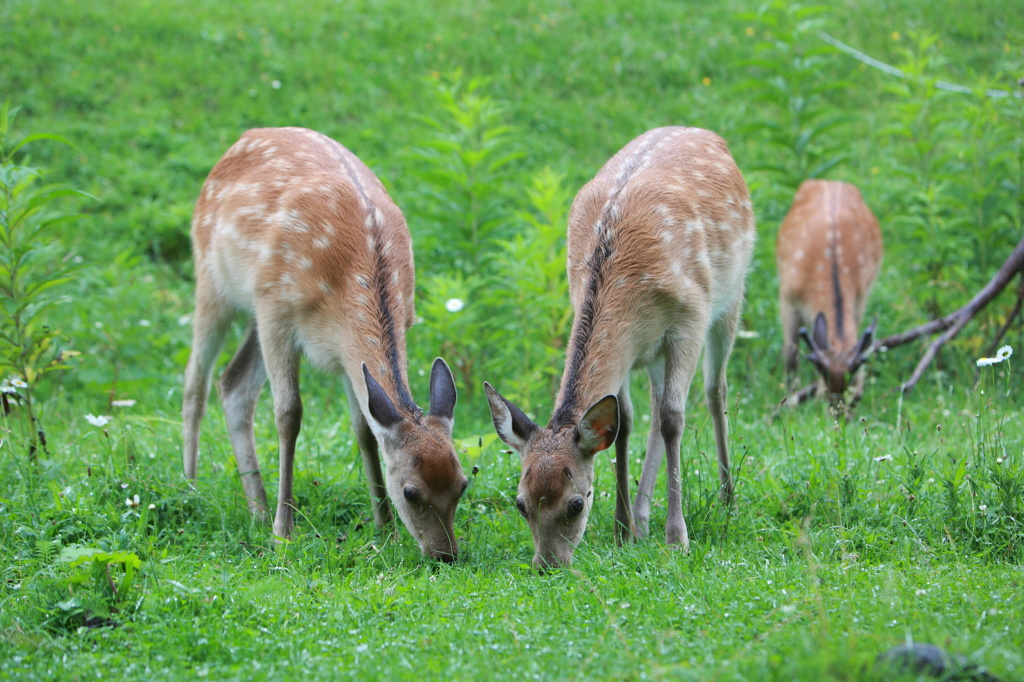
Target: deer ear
[598, 427]
[821, 332]
[442, 391]
[381, 408]
[511, 423]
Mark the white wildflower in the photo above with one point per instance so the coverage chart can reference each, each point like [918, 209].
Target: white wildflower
[1003, 353]
[99, 421]
[453, 305]
[5, 387]
[276, 84]
[982, 507]
[132, 501]
[152, 507]
[122, 403]
[18, 382]
[883, 458]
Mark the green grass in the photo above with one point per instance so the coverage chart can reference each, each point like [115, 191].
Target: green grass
[833, 553]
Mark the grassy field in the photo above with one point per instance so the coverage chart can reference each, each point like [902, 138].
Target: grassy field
[902, 524]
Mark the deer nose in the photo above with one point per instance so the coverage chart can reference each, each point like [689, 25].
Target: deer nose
[447, 557]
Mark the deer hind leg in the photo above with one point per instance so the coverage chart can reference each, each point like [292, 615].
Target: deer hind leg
[240, 387]
[281, 359]
[210, 324]
[624, 529]
[790, 342]
[717, 347]
[370, 453]
[655, 452]
[682, 356]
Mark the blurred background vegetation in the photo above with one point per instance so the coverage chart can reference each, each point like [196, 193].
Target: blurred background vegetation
[483, 119]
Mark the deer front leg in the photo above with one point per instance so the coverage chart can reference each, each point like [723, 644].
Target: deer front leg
[370, 453]
[624, 529]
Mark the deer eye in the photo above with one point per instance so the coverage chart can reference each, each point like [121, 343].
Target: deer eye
[521, 506]
[411, 494]
[575, 507]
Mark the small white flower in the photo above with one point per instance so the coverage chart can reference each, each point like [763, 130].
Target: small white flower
[18, 382]
[999, 461]
[152, 507]
[453, 305]
[920, 593]
[1003, 353]
[883, 458]
[122, 403]
[99, 421]
[275, 84]
[132, 501]
[6, 387]
[982, 507]
[145, 323]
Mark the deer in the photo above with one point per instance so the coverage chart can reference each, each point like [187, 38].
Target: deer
[293, 231]
[828, 252]
[659, 244]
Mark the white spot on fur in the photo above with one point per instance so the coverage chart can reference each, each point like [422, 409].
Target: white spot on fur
[362, 281]
[324, 287]
[321, 242]
[305, 263]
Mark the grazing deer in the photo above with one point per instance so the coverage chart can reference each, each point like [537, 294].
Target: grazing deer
[295, 231]
[659, 244]
[828, 252]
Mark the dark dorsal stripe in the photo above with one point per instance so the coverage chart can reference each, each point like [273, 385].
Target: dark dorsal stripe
[381, 277]
[837, 289]
[583, 326]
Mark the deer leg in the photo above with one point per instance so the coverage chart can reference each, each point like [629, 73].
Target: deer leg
[655, 452]
[790, 342]
[210, 324]
[716, 353]
[624, 529]
[369, 451]
[281, 359]
[682, 355]
[240, 387]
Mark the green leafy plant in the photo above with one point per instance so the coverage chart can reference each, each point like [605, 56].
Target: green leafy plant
[29, 348]
[111, 574]
[791, 90]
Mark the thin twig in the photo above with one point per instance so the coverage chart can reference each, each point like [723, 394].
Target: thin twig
[899, 73]
[1009, 318]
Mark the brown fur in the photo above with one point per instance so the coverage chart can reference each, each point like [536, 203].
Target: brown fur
[828, 252]
[294, 230]
[659, 244]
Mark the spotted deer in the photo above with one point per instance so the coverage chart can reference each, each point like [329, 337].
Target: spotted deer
[294, 231]
[828, 252]
[659, 243]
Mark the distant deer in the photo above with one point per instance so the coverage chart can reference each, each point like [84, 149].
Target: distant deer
[659, 245]
[293, 230]
[828, 251]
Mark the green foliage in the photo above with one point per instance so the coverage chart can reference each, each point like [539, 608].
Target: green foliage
[29, 347]
[847, 537]
[794, 78]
